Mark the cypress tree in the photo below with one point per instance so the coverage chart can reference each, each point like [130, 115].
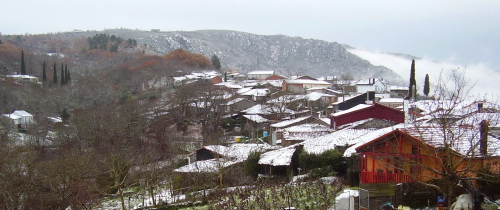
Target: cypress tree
[63, 78]
[44, 74]
[54, 75]
[66, 74]
[68, 77]
[23, 65]
[426, 86]
[413, 84]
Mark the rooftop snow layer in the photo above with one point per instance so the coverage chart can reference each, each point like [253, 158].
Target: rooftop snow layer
[256, 118]
[280, 157]
[330, 141]
[355, 108]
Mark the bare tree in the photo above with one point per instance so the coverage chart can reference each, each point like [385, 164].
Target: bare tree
[453, 151]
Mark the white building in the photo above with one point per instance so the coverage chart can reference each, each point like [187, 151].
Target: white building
[371, 84]
[260, 75]
[20, 118]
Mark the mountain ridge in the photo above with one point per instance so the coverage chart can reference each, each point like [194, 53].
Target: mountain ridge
[246, 52]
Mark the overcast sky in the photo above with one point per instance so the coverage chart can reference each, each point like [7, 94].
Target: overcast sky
[462, 32]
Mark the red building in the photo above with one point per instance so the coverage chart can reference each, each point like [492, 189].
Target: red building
[366, 111]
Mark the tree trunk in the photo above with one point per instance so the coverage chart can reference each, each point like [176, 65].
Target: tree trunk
[121, 198]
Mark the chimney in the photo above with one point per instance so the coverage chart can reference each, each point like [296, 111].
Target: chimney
[480, 107]
[483, 137]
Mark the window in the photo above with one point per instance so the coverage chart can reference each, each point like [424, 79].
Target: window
[415, 150]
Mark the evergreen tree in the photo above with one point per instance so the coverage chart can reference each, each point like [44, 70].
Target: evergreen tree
[216, 62]
[66, 74]
[54, 75]
[426, 85]
[413, 83]
[23, 65]
[44, 74]
[65, 115]
[62, 75]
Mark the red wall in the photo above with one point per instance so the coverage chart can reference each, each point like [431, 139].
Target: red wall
[377, 111]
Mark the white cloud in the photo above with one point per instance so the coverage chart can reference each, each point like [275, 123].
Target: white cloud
[481, 77]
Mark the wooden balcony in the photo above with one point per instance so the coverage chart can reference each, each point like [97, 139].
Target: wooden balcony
[380, 177]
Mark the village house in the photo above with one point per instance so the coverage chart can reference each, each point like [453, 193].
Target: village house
[238, 104]
[269, 112]
[398, 91]
[300, 133]
[345, 103]
[260, 74]
[276, 128]
[392, 102]
[300, 86]
[371, 84]
[20, 119]
[280, 162]
[257, 94]
[366, 111]
[410, 154]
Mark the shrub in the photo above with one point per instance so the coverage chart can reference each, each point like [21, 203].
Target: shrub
[331, 159]
[252, 164]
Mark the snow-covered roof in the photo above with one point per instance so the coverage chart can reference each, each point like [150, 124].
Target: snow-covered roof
[310, 127]
[330, 141]
[219, 149]
[55, 119]
[11, 116]
[369, 81]
[22, 113]
[355, 108]
[391, 100]
[256, 92]
[275, 83]
[464, 140]
[280, 157]
[451, 107]
[243, 90]
[256, 118]
[314, 96]
[286, 99]
[398, 88]
[238, 151]
[257, 109]
[234, 101]
[305, 132]
[326, 120]
[21, 76]
[289, 122]
[206, 166]
[363, 139]
[230, 85]
[307, 81]
[263, 109]
[259, 72]
[241, 151]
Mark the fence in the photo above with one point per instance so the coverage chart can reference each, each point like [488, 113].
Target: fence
[364, 199]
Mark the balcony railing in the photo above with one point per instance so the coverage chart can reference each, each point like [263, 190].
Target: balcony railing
[380, 177]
